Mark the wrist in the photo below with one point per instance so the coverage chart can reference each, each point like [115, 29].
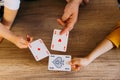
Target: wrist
[7, 34]
[89, 58]
[6, 26]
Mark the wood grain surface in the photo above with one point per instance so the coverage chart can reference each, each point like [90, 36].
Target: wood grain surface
[38, 19]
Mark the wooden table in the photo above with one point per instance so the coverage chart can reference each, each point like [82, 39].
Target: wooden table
[38, 19]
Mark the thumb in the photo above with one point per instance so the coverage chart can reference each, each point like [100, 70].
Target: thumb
[60, 22]
[68, 0]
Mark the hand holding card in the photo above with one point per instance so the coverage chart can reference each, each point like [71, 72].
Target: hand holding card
[59, 42]
[38, 49]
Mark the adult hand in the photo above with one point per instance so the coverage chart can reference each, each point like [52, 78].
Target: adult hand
[69, 18]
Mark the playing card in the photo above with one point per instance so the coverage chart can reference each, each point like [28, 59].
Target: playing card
[38, 49]
[59, 62]
[59, 42]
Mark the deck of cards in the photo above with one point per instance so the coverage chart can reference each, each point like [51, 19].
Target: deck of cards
[59, 43]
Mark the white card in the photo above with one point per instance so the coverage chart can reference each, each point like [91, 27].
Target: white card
[59, 62]
[59, 42]
[38, 49]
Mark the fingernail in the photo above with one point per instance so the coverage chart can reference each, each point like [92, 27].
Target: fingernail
[28, 38]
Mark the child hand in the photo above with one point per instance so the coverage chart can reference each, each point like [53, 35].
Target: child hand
[22, 43]
[77, 63]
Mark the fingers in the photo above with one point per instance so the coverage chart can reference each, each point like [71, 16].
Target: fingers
[23, 46]
[76, 68]
[60, 22]
[69, 18]
[69, 24]
[75, 65]
[68, 0]
[67, 28]
[22, 43]
[86, 1]
[29, 38]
